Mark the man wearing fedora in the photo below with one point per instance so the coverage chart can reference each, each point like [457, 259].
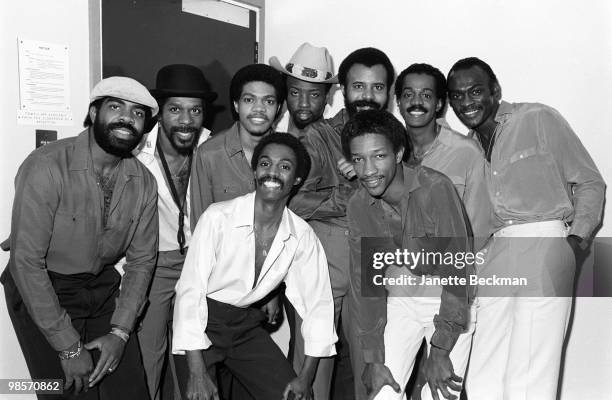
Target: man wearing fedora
[182, 94]
[309, 76]
[81, 204]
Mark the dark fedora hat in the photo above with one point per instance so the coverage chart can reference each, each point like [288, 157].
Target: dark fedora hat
[182, 80]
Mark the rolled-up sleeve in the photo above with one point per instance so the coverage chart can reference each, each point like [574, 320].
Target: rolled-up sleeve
[140, 262]
[34, 208]
[452, 227]
[190, 308]
[309, 290]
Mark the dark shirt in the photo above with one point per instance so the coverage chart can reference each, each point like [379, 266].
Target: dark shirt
[325, 193]
[220, 172]
[430, 209]
[57, 225]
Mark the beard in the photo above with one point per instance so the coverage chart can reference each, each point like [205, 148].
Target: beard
[181, 146]
[112, 144]
[353, 107]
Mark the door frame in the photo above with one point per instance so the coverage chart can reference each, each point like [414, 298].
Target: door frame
[95, 33]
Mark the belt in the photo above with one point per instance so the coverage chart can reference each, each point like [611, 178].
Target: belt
[554, 228]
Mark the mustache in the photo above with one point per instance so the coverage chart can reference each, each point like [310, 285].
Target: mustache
[184, 129]
[468, 109]
[262, 116]
[270, 178]
[416, 108]
[365, 103]
[121, 125]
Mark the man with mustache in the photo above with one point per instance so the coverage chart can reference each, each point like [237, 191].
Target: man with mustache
[420, 92]
[222, 165]
[183, 95]
[546, 198]
[413, 208]
[241, 250]
[365, 77]
[81, 204]
[310, 76]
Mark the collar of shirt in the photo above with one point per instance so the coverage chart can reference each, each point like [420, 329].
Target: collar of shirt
[81, 157]
[233, 145]
[411, 183]
[245, 217]
[145, 151]
[339, 120]
[504, 112]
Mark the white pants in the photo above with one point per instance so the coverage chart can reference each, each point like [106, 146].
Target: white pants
[518, 340]
[409, 320]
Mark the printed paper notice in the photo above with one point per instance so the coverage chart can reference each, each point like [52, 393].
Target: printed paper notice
[44, 81]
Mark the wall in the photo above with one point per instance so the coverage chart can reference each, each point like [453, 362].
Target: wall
[66, 22]
[557, 52]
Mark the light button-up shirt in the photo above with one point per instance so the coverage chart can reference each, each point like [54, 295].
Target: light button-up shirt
[220, 264]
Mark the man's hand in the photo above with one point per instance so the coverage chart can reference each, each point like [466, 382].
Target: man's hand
[375, 376]
[201, 387]
[577, 244]
[346, 169]
[440, 374]
[111, 349]
[272, 309]
[77, 371]
[300, 388]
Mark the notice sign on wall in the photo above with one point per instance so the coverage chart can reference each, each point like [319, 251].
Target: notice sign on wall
[44, 83]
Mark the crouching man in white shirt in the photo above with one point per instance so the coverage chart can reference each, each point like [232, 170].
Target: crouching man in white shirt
[240, 251]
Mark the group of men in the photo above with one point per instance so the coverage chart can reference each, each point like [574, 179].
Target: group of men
[117, 232]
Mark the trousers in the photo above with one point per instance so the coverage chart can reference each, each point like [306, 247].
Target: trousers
[409, 320]
[89, 300]
[517, 346]
[245, 349]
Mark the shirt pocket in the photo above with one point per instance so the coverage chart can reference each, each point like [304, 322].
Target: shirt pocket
[73, 240]
[520, 155]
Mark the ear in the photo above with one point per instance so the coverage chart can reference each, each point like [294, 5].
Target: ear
[297, 180]
[235, 106]
[343, 90]
[497, 92]
[399, 155]
[92, 113]
[438, 105]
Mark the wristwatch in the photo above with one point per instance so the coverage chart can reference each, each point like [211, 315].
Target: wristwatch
[68, 354]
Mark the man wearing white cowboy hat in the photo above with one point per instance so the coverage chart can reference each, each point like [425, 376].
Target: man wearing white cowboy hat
[310, 76]
[182, 93]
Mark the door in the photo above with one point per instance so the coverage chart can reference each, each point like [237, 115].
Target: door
[141, 36]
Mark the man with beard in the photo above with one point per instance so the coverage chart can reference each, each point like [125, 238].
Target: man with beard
[365, 77]
[182, 94]
[413, 208]
[546, 199]
[242, 249]
[310, 76]
[80, 205]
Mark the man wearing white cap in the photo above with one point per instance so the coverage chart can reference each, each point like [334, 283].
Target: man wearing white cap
[81, 204]
[310, 76]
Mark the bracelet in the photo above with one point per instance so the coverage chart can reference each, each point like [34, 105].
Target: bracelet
[67, 354]
[120, 333]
